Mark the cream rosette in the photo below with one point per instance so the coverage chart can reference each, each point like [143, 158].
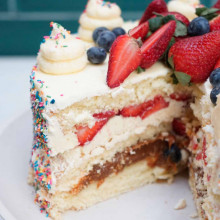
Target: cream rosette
[185, 7]
[99, 13]
[61, 53]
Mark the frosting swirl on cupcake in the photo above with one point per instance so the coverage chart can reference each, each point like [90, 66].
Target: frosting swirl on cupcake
[99, 13]
[185, 7]
[61, 53]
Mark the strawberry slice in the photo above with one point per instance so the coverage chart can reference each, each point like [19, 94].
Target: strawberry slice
[196, 56]
[103, 115]
[145, 109]
[204, 156]
[178, 16]
[140, 31]
[180, 96]
[217, 4]
[179, 127]
[154, 47]
[124, 58]
[215, 24]
[158, 6]
[135, 110]
[158, 104]
[217, 65]
[85, 134]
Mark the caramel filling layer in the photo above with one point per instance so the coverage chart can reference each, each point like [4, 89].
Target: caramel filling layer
[151, 151]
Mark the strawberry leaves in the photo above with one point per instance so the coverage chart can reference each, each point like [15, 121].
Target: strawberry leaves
[156, 22]
[179, 77]
[208, 13]
[140, 70]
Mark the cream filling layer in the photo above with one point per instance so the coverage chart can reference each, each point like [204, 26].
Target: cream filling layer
[117, 128]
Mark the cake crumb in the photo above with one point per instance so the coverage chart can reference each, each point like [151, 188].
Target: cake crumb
[194, 215]
[181, 204]
[170, 180]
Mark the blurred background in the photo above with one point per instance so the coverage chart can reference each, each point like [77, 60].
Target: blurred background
[24, 22]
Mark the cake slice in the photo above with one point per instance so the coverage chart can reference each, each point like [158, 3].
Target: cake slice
[102, 130]
[87, 136]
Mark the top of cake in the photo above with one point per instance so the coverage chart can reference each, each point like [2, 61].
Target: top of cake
[64, 55]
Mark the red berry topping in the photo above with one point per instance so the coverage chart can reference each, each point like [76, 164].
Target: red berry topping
[158, 6]
[179, 127]
[125, 57]
[196, 56]
[140, 31]
[154, 47]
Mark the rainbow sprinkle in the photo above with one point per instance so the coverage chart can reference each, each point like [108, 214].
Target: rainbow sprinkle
[40, 162]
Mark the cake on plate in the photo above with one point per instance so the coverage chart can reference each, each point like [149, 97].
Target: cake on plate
[123, 104]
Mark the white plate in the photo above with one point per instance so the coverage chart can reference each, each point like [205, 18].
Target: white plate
[152, 202]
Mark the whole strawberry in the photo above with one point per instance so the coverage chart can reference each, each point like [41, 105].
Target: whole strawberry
[217, 65]
[217, 4]
[196, 56]
[215, 24]
[177, 15]
[158, 6]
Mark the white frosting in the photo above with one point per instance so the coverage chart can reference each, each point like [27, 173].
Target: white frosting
[61, 53]
[185, 7]
[91, 81]
[99, 13]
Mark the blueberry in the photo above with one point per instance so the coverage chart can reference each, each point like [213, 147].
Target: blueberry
[118, 31]
[175, 153]
[96, 55]
[97, 32]
[198, 26]
[213, 95]
[106, 39]
[166, 151]
[215, 77]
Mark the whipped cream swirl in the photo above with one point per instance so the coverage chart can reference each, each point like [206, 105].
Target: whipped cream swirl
[99, 13]
[185, 7]
[61, 53]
